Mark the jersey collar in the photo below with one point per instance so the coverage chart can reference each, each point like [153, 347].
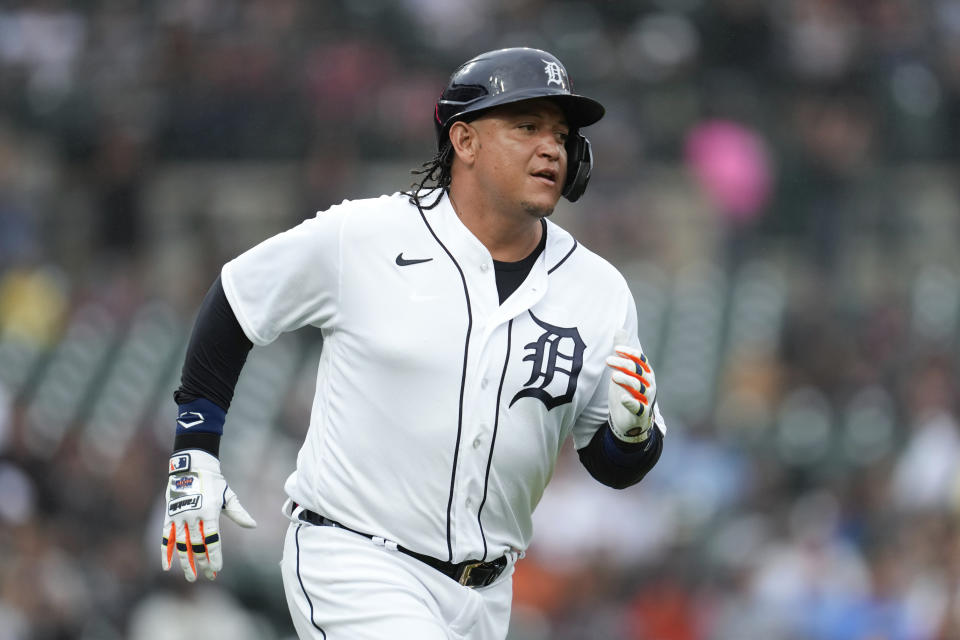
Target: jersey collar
[469, 252]
[560, 244]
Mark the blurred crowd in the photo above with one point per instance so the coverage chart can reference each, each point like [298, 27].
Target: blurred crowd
[777, 180]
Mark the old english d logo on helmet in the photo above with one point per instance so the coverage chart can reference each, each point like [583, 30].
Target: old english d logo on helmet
[511, 75]
[555, 73]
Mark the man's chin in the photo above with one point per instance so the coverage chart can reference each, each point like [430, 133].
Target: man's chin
[537, 209]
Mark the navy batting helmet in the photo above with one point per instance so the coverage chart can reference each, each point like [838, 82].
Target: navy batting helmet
[511, 75]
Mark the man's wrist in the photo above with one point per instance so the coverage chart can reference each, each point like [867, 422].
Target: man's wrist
[209, 442]
[634, 435]
[199, 426]
[200, 416]
[632, 445]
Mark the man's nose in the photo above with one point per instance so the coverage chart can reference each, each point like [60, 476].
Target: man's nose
[551, 147]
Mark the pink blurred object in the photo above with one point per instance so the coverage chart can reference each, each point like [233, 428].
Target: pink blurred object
[732, 165]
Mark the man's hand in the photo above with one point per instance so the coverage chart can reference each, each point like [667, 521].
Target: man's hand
[196, 493]
[632, 393]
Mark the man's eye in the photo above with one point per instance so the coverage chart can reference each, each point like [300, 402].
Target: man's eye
[528, 127]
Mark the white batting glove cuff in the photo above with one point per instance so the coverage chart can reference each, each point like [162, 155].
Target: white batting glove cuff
[196, 494]
[632, 393]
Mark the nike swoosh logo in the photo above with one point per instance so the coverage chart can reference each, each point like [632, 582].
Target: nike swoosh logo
[403, 262]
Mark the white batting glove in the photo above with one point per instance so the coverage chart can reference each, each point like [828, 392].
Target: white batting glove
[196, 494]
[632, 392]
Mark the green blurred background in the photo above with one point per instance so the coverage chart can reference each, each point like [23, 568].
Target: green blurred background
[778, 181]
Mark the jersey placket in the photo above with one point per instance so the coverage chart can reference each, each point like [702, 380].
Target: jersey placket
[488, 352]
[476, 427]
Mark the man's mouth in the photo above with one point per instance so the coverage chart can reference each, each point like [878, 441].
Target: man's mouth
[548, 175]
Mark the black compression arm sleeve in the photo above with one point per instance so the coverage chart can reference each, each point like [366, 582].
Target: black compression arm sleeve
[620, 464]
[216, 354]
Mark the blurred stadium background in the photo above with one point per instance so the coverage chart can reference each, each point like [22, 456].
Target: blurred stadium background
[778, 180]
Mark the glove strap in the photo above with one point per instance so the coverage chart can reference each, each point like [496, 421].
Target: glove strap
[193, 460]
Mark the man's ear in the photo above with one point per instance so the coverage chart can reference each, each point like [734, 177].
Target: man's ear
[465, 141]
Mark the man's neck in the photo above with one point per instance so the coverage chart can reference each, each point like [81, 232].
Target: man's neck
[507, 238]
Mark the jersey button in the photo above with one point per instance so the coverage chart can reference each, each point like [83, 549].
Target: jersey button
[483, 383]
[476, 443]
[469, 502]
[484, 266]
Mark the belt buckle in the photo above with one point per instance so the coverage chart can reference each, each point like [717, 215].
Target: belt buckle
[467, 570]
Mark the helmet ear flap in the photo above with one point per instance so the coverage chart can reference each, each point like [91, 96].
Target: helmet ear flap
[579, 166]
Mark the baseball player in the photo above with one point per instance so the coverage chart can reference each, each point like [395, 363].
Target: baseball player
[466, 338]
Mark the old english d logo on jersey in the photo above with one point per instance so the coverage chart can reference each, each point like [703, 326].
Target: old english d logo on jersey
[556, 357]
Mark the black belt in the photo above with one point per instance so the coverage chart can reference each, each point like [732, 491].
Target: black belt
[469, 573]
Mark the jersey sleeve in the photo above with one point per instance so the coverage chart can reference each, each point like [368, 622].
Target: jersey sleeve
[288, 281]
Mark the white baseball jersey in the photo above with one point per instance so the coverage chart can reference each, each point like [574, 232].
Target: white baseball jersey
[439, 413]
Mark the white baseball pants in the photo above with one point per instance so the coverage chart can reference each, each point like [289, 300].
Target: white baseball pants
[342, 586]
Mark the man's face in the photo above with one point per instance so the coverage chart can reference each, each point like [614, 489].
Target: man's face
[522, 160]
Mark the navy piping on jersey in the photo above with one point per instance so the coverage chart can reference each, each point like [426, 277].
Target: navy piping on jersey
[564, 259]
[305, 594]
[463, 376]
[493, 441]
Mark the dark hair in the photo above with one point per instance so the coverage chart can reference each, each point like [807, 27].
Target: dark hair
[435, 175]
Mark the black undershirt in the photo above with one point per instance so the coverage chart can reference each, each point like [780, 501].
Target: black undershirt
[510, 275]
[218, 349]
[216, 354]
